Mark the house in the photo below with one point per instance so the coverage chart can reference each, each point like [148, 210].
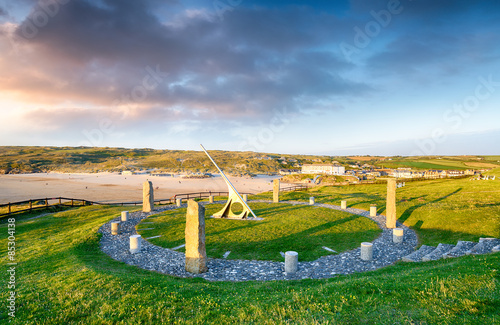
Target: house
[288, 171]
[402, 173]
[328, 169]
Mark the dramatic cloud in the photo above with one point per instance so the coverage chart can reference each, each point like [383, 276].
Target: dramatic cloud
[145, 65]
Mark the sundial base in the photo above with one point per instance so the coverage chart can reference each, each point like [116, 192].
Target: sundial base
[233, 218]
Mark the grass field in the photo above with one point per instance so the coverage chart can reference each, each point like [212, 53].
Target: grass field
[62, 277]
[302, 229]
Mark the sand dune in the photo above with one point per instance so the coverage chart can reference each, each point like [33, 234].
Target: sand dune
[112, 187]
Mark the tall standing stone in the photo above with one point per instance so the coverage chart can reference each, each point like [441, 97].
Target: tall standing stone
[276, 190]
[196, 255]
[390, 213]
[148, 200]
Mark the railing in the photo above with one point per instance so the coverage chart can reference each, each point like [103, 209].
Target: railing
[36, 204]
[295, 188]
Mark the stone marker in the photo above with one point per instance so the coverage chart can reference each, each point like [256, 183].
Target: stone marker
[196, 255]
[343, 204]
[211, 199]
[135, 244]
[397, 235]
[124, 215]
[115, 228]
[373, 211]
[366, 251]
[311, 200]
[390, 213]
[291, 262]
[148, 200]
[178, 202]
[276, 190]
[245, 197]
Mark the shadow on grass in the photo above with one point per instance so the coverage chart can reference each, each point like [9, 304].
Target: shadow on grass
[407, 213]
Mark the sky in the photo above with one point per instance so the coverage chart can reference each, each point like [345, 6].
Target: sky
[367, 77]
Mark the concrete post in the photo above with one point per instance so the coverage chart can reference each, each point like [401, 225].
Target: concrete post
[124, 215]
[148, 201]
[373, 211]
[115, 228]
[196, 255]
[245, 197]
[276, 190]
[390, 212]
[211, 199]
[291, 262]
[343, 204]
[397, 235]
[312, 200]
[178, 202]
[135, 244]
[366, 251]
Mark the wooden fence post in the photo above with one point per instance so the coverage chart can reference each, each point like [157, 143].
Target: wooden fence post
[46, 202]
[9, 207]
[31, 205]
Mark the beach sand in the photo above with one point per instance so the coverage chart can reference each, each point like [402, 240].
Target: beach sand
[112, 187]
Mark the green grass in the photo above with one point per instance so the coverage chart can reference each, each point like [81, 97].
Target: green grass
[440, 211]
[63, 278]
[303, 229]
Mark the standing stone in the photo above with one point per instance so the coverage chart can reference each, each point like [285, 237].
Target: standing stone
[373, 211]
[390, 213]
[196, 255]
[311, 200]
[148, 200]
[115, 228]
[245, 197]
[135, 244]
[366, 251]
[343, 204]
[124, 215]
[291, 262]
[178, 202]
[397, 235]
[211, 199]
[276, 190]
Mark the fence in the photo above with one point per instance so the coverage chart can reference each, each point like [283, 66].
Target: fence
[37, 204]
[295, 188]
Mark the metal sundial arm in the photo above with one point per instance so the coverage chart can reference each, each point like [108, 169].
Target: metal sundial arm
[234, 196]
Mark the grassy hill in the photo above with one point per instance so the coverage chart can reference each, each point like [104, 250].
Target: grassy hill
[63, 277]
[83, 159]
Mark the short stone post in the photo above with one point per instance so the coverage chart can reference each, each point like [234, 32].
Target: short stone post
[397, 235]
[148, 200]
[373, 211]
[178, 202]
[312, 200]
[390, 213]
[115, 228]
[135, 244]
[366, 251]
[245, 197]
[291, 262]
[196, 255]
[276, 190]
[211, 199]
[343, 204]
[124, 215]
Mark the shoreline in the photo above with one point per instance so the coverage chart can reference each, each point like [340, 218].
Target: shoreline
[113, 187]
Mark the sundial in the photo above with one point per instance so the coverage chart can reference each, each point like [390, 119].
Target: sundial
[233, 198]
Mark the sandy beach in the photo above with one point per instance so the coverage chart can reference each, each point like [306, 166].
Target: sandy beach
[113, 187]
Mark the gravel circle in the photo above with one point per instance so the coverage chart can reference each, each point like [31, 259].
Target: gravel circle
[167, 261]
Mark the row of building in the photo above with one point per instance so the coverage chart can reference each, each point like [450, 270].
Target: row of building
[333, 169]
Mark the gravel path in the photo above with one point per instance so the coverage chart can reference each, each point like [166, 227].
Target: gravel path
[167, 261]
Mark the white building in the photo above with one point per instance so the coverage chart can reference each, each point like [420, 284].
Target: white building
[328, 169]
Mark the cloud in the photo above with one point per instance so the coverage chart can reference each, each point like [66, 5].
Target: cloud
[242, 67]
